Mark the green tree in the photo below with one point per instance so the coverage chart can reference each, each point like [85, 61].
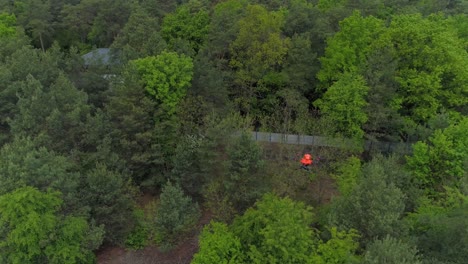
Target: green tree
[7, 25]
[344, 103]
[79, 19]
[24, 61]
[166, 77]
[392, 251]
[33, 231]
[36, 18]
[219, 136]
[139, 38]
[10, 41]
[348, 174]
[374, 207]
[160, 8]
[185, 25]
[94, 22]
[347, 50]
[300, 18]
[110, 18]
[55, 116]
[175, 215]
[432, 66]
[396, 173]
[132, 127]
[258, 51]
[109, 198]
[224, 27]
[276, 230]
[442, 160]
[338, 249]
[380, 73]
[22, 163]
[300, 65]
[218, 245]
[440, 228]
[188, 171]
[244, 182]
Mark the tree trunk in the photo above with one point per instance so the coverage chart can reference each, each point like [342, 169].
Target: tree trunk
[42, 42]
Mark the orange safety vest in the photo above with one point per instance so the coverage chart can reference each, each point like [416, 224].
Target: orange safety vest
[306, 160]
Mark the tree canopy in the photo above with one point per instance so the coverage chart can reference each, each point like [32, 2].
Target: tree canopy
[190, 131]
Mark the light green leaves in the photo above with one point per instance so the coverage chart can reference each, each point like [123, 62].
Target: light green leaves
[166, 77]
[218, 245]
[259, 46]
[344, 104]
[33, 232]
[7, 25]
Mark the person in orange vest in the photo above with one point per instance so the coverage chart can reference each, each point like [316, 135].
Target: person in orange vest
[306, 161]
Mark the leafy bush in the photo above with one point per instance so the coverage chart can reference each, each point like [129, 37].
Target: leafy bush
[138, 238]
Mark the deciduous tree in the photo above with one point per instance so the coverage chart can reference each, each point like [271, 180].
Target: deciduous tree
[344, 103]
[34, 232]
[392, 251]
[166, 77]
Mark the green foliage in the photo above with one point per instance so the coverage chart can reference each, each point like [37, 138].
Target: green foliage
[21, 62]
[134, 40]
[55, 116]
[22, 163]
[374, 207]
[138, 237]
[109, 198]
[397, 174]
[224, 26]
[277, 230]
[185, 25]
[440, 230]
[7, 25]
[389, 70]
[257, 54]
[110, 18]
[131, 113]
[166, 77]
[338, 249]
[218, 245]
[188, 171]
[432, 68]
[175, 215]
[33, 232]
[244, 183]
[379, 73]
[36, 18]
[344, 103]
[392, 251]
[259, 47]
[348, 174]
[442, 160]
[347, 50]
[234, 165]
[298, 64]
[327, 4]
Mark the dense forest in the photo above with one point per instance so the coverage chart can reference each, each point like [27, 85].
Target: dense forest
[127, 124]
